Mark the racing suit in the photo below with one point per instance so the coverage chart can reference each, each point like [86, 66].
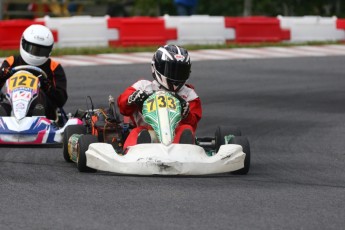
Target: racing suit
[186, 92]
[51, 98]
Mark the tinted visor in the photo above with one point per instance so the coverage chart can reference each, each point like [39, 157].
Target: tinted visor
[176, 72]
[36, 50]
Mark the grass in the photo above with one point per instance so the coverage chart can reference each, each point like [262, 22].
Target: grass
[104, 50]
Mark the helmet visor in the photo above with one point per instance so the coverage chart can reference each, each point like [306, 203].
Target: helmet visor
[177, 71]
[36, 50]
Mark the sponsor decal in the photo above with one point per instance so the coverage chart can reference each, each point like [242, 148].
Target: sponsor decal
[20, 106]
[39, 106]
[22, 95]
[179, 57]
[37, 37]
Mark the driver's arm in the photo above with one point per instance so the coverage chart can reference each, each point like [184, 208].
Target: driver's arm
[6, 64]
[195, 113]
[125, 109]
[58, 93]
[122, 100]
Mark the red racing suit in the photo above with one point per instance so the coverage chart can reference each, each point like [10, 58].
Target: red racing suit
[186, 92]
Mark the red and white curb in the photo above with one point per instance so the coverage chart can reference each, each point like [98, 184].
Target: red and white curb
[202, 55]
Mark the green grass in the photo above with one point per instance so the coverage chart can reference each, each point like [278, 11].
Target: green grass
[104, 50]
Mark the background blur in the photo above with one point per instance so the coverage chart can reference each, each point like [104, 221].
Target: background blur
[14, 9]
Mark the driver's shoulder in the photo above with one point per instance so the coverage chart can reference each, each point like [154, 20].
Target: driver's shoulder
[13, 60]
[54, 64]
[142, 84]
[188, 93]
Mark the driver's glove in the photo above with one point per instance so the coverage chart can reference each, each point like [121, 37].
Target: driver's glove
[46, 84]
[184, 106]
[138, 98]
[5, 74]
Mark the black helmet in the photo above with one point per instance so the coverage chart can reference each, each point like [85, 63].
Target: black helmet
[171, 67]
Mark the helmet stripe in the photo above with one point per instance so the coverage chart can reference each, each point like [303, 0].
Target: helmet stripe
[164, 51]
[178, 49]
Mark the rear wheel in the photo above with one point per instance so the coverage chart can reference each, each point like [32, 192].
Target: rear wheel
[69, 131]
[222, 132]
[243, 141]
[83, 145]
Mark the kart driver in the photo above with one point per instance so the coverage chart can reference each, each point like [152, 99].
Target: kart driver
[36, 45]
[171, 67]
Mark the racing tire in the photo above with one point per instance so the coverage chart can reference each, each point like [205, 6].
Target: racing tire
[69, 131]
[83, 145]
[243, 141]
[223, 131]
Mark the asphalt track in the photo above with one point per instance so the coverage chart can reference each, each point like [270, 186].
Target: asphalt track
[292, 111]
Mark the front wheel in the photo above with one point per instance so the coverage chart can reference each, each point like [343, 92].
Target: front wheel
[83, 145]
[68, 132]
[243, 141]
[222, 132]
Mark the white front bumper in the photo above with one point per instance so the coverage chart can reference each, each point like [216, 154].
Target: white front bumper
[158, 159]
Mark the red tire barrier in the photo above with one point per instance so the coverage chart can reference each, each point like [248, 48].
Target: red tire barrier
[256, 29]
[141, 31]
[340, 23]
[11, 32]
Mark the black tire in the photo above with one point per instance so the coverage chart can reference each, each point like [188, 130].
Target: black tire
[83, 145]
[223, 131]
[69, 131]
[243, 141]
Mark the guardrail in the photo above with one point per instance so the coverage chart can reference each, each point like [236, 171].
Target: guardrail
[87, 31]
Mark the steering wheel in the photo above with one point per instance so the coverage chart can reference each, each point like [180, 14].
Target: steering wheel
[32, 69]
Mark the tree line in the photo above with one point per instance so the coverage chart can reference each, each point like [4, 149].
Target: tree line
[324, 8]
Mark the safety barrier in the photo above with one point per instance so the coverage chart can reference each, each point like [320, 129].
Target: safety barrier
[199, 29]
[81, 31]
[140, 31]
[87, 31]
[257, 29]
[11, 32]
[340, 24]
[312, 28]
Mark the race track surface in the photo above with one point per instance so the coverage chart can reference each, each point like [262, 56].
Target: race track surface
[291, 109]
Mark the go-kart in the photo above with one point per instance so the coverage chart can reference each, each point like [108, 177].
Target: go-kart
[227, 151]
[22, 128]
[99, 125]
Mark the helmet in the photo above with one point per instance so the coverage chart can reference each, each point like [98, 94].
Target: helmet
[36, 44]
[171, 67]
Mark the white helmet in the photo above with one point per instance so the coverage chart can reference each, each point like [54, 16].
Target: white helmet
[36, 44]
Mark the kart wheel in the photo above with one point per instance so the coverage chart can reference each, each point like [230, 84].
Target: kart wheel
[243, 141]
[69, 131]
[223, 131]
[83, 145]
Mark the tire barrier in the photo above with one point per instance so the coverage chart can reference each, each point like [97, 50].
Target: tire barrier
[140, 31]
[201, 29]
[313, 28]
[88, 31]
[257, 29]
[11, 32]
[81, 31]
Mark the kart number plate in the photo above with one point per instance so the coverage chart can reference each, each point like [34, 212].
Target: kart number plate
[162, 102]
[25, 81]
